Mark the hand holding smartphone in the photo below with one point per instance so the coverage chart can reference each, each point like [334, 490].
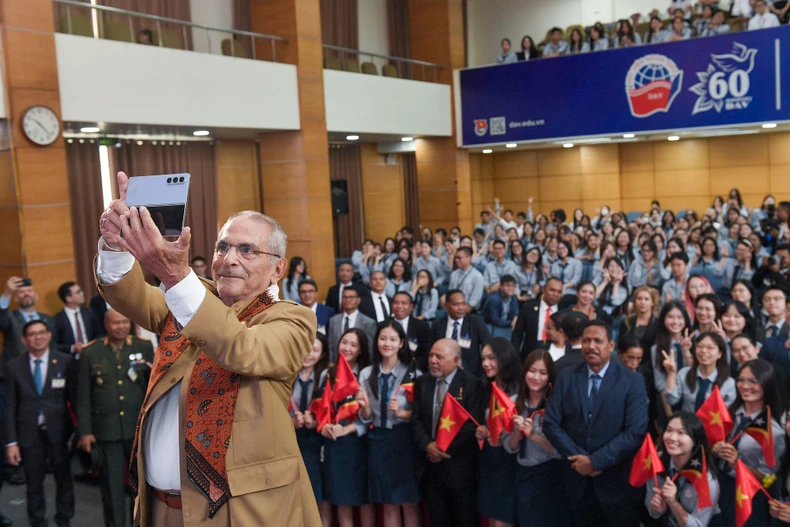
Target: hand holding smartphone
[165, 197]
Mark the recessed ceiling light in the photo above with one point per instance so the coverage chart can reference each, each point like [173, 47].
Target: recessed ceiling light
[769, 125]
[200, 133]
[352, 137]
[673, 138]
[139, 143]
[628, 136]
[487, 151]
[89, 129]
[406, 139]
[567, 145]
[511, 145]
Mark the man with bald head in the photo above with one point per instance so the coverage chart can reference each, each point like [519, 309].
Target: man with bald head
[113, 375]
[450, 477]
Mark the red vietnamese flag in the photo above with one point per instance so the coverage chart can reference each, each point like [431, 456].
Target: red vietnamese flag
[408, 381]
[746, 486]
[647, 465]
[500, 413]
[451, 420]
[696, 472]
[761, 431]
[345, 382]
[322, 408]
[715, 417]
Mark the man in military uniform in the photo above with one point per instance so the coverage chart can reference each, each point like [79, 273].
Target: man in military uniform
[113, 375]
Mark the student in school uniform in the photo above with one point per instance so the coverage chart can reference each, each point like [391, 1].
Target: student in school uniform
[672, 336]
[398, 278]
[425, 295]
[306, 388]
[345, 468]
[569, 270]
[757, 391]
[540, 491]
[675, 502]
[675, 286]
[496, 494]
[392, 474]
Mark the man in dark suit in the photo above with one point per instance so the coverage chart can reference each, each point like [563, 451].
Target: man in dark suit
[12, 321]
[530, 329]
[468, 330]
[75, 324]
[345, 278]
[775, 304]
[596, 417]
[349, 318]
[308, 294]
[450, 479]
[376, 304]
[38, 386]
[418, 332]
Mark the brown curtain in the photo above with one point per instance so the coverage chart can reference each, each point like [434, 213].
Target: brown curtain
[196, 158]
[178, 9]
[345, 164]
[411, 194]
[87, 203]
[340, 23]
[399, 34]
[241, 15]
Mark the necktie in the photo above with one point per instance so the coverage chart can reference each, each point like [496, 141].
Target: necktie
[441, 389]
[770, 331]
[346, 325]
[679, 362]
[455, 330]
[384, 311]
[418, 302]
[545, 323]
[702, 393]
[38, 379]
[742, 424]
[397, 287]
[384, 397]
[80, 336]
[596, 382]
[305, 393]
[736, 272]
[506, 308]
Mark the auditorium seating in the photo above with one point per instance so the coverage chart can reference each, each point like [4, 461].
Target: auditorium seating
[80, 25]
[237, 50]
[333, 63]
[369, 68]
[351, 65]
[170, 39]
[388, 70]
[118, 30]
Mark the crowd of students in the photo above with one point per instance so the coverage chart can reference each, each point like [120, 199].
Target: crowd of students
[712, 21]
[695, 302]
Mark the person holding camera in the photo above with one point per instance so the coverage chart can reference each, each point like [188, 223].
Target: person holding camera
[13, 320]
[775, 271]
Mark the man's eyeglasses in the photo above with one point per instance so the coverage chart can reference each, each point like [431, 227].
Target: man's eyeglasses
[350, 297]
[245, 250]
[307, 291]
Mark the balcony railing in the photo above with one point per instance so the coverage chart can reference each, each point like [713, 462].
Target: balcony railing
[356, 61]
[112, 23]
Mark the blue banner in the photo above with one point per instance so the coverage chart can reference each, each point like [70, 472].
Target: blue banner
[705, 82]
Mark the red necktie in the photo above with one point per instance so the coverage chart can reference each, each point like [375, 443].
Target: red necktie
[80, 336]
[545, 322]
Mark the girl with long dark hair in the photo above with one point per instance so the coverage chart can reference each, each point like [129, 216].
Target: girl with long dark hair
[541, 496]
[531, 276]
[297, 270]
[673, 337]
[496, 495]
[387, 411]
[398, 278]
[425, 295]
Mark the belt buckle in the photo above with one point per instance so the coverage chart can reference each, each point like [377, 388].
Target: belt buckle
[169, 495]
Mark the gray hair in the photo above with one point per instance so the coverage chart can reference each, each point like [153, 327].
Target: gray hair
[277, 240]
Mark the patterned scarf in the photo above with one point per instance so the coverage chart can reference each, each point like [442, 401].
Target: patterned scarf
[210, 405]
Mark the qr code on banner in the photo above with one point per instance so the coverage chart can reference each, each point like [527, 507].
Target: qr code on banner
[498, 125]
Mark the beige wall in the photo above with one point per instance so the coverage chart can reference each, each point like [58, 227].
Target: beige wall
[237, 178]
[627, 176]
[383, 206]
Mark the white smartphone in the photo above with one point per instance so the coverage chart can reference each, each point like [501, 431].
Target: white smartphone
[164, 196]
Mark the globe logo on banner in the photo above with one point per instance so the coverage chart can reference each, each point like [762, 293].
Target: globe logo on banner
[652, 83]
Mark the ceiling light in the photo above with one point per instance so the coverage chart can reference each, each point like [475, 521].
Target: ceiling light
[200, 133]
[769, 125]
[352, 137]
[406, 139]
[487, 151]
[511, 145]
[673, 138]
[628, 136]
[95, 129]
[567, 145]
[139, 143]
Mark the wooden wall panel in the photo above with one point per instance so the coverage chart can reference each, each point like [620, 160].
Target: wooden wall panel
[382, 194]
[739, 151]
[748, 179]
[679, 155]
[237, 178]
[559, 162]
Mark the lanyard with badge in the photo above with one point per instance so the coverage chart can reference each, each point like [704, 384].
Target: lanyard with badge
[136, 360]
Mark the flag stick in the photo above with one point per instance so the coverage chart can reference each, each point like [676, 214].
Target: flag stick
[737, 436]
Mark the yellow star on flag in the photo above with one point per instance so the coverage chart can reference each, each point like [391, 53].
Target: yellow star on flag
[647, 463]
[498, 410]
[715, 419]
[447, 423]
[740, 496]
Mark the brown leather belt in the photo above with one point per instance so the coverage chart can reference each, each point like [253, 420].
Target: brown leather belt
[171, 499]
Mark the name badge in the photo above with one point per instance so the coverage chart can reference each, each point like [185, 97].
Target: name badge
[465, 343]
[58, 384]
[413, 345]
[131, 373]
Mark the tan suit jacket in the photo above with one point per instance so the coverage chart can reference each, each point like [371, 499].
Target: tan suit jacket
[267, 477]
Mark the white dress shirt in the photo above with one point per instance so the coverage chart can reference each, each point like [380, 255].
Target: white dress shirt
[161, 445]
[448, 334]
[352, 319]
[75, 319]
[764, 21]
[405, 323]
[382, 313]
[556, 352]
[542, 317]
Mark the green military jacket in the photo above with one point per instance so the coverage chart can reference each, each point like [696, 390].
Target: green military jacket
[110, 392]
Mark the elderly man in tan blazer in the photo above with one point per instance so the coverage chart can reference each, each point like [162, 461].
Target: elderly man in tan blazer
[214, 444]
